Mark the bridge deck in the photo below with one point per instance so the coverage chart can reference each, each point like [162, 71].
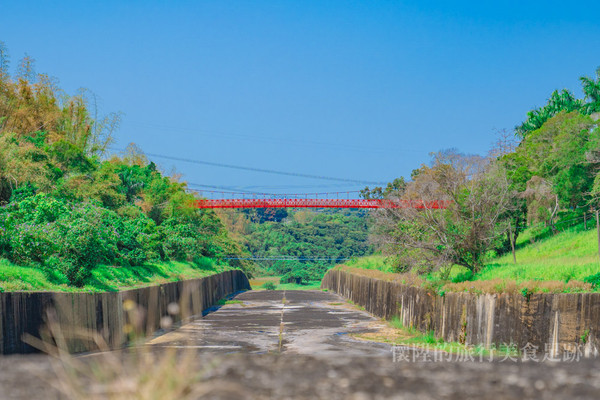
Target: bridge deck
[318, 203]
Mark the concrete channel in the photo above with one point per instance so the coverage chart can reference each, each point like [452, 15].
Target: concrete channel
[299, 345]
[312, 322]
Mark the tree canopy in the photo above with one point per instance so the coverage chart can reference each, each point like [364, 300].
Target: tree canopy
[65, 207]
[551, 172]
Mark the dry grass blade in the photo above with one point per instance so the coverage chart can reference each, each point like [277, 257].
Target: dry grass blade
[141, 371]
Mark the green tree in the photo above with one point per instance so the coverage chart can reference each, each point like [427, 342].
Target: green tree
[558, 152]
[65, 211]
[558, 101]
[394, 188]
[478, 195]
[591, 89]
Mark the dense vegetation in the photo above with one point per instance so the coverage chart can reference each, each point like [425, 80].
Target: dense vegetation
[300, 246]
[69, 211]
[66, 208]
[566, 261]
[544, 178]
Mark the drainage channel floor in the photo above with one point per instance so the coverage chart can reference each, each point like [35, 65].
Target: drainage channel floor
[298, 322]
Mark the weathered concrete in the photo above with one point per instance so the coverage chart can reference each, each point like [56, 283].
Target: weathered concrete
[300, 322]
[553, 322]
[344, 376]
[27, 312]
[235, 354]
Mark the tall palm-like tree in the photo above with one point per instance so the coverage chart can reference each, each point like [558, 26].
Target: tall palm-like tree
[558, 101]
[591, 88]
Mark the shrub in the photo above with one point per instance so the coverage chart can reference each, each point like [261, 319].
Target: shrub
[38, 209]
[296, 276]
[66, 210]
[89, 237]
[180, 240]
[269, 286]
[33, 243]
[4, 236]
[75, 274]
[132, 238]
[594, 280]
[463, 277]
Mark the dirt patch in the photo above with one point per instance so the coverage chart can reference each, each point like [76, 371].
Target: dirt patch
[382, 332]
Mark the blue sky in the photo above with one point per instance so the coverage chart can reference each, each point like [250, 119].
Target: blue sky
[357, 90]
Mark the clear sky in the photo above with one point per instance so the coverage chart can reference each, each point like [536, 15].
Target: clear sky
[358, 90]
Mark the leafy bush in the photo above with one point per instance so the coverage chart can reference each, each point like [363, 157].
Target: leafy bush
[4, 237]
[74, 237]
[132, 238]
[594, 280]
[179, 240]
[89, 238]
[269, 286]
[33, 243]
[463, 277]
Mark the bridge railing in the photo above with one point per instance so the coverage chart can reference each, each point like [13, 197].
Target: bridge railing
[319, 203]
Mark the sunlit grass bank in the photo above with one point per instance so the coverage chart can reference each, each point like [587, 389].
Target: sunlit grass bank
[545, 263]
[105, 278]
[571, 255]
[374, 262]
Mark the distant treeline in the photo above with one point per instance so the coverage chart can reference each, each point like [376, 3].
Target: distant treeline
[300, 245]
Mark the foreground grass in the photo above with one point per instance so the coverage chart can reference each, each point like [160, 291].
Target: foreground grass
[105, 278]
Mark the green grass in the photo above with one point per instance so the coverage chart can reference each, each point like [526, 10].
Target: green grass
[569, 255]
[355, 305]
[396, 323]
[104, 278]
[409, 336]
[312, 285]
[224, 302]
[375, 261]
[258, 282]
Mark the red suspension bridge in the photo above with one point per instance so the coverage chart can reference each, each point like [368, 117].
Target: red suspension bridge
[266, 200]
[305, 200]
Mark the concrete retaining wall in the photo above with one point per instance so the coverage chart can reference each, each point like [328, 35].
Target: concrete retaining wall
[554, 322]
[103, 313]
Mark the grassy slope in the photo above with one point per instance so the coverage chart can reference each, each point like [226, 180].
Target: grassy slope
[374, 262]
[570, 255]
[105, 278]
